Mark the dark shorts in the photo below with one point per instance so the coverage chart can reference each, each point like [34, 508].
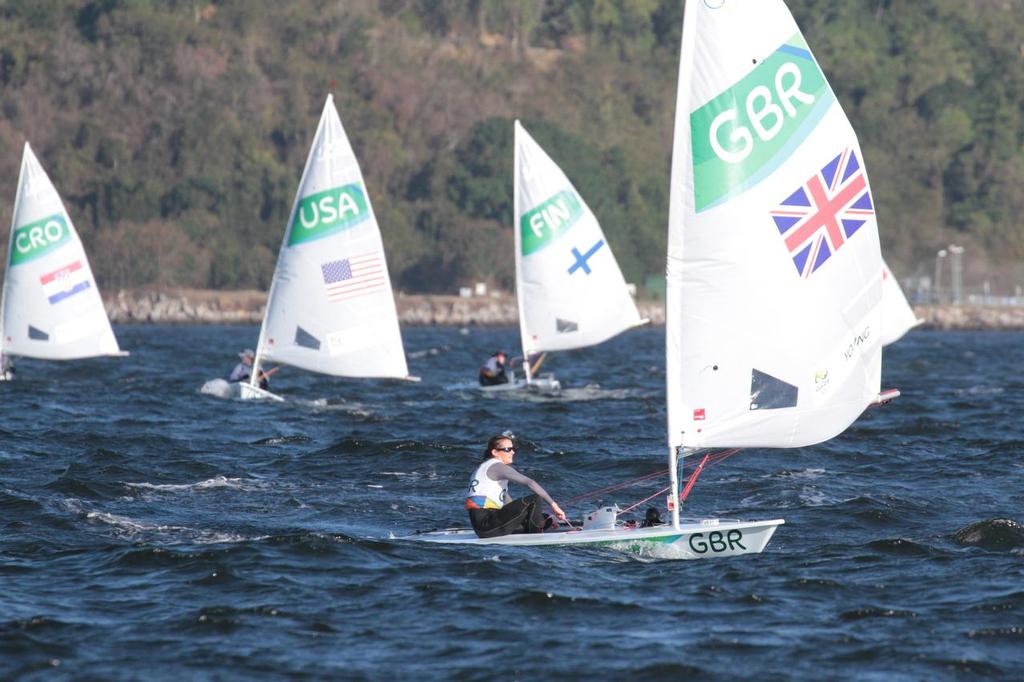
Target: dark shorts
[518, 516]
[493, 381]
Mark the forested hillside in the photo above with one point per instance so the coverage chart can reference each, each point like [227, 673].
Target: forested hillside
[176, 130]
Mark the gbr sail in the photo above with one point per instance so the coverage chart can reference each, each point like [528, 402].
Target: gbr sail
[570, 289]
[330, 308]
[774, 269]
[51, 307]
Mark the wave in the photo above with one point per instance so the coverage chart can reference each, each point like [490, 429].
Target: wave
[129, 528]
[283, 440]
[994, 534]
[219, 388]
[209, 484]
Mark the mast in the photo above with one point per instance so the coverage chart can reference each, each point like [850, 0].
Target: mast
[519, 252]
[10, 250]
[679, 196]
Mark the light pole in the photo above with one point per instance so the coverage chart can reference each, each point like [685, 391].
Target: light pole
[939, 257]
[956, 272]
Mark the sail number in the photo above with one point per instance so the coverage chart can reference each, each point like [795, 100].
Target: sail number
[716, 541]
[39, 238]
[325, 213]
[748, 129]
[549, 220]
[764, 116]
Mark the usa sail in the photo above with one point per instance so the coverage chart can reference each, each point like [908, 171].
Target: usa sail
[570, 289]
[331, 308]
[774, 270]
[51, 306]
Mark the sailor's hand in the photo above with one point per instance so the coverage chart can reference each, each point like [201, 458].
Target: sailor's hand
[558, 512]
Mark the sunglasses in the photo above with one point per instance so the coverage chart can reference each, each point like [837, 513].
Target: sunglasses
[506, 449]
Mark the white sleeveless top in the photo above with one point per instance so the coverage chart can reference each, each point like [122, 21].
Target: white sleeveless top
[484, 492]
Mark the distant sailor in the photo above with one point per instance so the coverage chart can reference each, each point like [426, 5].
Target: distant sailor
[491, 512]
[243, 370]
[7, 371]
[495, 370]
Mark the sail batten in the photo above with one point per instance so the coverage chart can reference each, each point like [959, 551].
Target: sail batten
[51, 306]
[570, 290]
[331, 308]
[774, 270]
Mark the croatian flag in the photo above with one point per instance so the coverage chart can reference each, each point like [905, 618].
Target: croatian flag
[64, 282]
[353, 276]
[823, 213]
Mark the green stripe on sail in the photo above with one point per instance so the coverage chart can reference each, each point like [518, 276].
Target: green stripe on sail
[325, 213]
[39, 238]
[549, 220]
[750, 129]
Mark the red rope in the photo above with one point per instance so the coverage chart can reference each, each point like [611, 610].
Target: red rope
[619, 486]
[651, 497]
[713, 458]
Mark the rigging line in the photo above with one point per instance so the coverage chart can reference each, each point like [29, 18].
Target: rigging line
[618, 486]
[714, 458]
[646, 499]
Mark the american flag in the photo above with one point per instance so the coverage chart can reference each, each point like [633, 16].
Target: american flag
[824, 212]
[354, 276]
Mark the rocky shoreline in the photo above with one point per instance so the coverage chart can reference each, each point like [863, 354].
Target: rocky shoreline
[199, 306]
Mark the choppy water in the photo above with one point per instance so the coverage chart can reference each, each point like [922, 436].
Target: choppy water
[149, 531]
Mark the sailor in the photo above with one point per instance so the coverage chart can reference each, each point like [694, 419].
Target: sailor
[243, 370]
[7, 371]
[491, 512]
[494, 370]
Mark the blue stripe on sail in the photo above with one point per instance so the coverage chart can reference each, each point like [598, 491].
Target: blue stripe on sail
[864, 202]
[851, 166]
[851, 226]
[800, 52]
[800, 259]
[797, 198]
[823, 255]
[57, 298]
[785, 222]
[829, 171]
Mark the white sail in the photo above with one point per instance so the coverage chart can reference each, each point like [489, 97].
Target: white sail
[51, 306]
[897, 316]
[774, 269]
[330, 307]
[570, 289]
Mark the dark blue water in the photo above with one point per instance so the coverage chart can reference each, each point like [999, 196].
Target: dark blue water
[148, 531]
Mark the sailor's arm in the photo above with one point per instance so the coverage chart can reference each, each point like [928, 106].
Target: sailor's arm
[504, 471]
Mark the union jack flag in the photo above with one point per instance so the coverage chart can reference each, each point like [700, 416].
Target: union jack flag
[818, 218]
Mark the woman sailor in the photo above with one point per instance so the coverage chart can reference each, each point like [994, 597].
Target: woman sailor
[490, 511]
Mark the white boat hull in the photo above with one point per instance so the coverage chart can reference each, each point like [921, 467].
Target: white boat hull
[694, 539]
[543, 384]
[247, 392]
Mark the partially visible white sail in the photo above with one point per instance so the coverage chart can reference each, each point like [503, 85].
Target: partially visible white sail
[897, 316]
[570, 289]
[774, 269]
[51, 306]
[330, 307]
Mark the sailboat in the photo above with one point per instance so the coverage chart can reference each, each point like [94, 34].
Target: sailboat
[897, 316]
[330, 308]
[51, 308]
[569, 288]
[773, 273]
